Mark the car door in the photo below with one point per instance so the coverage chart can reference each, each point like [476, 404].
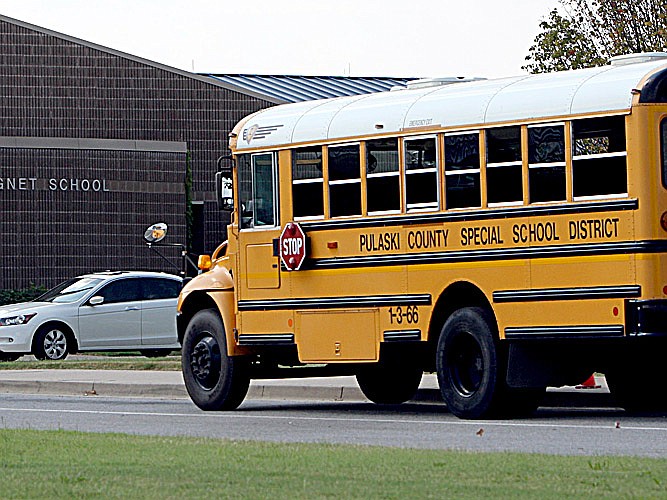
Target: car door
[158, 311]
[116, 322]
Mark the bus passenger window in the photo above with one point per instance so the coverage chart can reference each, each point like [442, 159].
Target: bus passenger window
[382, 176]
[546, 163]
[421, 174]
[257, 191]
[344, 180]
[504, 179]
[462, 171]
[307, 183]
[599, 157]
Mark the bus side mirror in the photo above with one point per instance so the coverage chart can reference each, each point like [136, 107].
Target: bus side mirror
[223, 183]
[155, 233]
[223, 191]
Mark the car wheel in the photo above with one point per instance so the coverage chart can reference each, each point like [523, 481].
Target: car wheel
[6, 356]
[214, 380]
[51, 343]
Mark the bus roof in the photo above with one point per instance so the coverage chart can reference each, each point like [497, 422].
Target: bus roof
[459, 105]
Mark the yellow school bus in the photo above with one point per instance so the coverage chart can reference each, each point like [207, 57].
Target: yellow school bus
[506, 234]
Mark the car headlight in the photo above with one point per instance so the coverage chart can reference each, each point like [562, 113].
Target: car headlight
[21, 319]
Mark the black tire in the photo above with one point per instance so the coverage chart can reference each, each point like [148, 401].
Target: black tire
[214, 380]
[638, 389]
[51, 342]
[390, 381]
[468, 365]
[7, 356]
[155, 353]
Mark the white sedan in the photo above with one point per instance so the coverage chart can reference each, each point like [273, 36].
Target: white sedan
[124, 310]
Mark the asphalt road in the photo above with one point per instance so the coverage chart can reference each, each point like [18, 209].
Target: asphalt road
[566, 431]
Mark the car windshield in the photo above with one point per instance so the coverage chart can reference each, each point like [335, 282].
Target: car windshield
[70, 291]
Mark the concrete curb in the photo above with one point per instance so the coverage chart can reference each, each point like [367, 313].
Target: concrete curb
[169, 385]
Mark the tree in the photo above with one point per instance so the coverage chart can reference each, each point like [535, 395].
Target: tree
[590, 32]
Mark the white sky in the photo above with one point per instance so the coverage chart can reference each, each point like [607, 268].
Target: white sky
[418, 38]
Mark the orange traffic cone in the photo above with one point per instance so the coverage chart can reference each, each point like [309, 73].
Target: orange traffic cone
[590, 383]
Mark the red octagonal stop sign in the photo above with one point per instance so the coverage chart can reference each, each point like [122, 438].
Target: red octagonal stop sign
[292, 246]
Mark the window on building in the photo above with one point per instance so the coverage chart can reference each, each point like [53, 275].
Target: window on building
[344, 180]
[546, 163]
[257, 191]
[462, 170]
[599, 157]
[382, 176]
[307, 183]
[504, 182]
[421, 174]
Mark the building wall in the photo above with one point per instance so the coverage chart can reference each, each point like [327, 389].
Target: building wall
[71, 110]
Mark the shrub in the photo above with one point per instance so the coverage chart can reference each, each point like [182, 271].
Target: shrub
[23, 295]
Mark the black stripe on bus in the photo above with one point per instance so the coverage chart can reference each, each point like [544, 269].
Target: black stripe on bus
[517, 253]
[334, 302]
[402, 336]
[499, 213]
[564, 331]
[593, 292]
[266, 339]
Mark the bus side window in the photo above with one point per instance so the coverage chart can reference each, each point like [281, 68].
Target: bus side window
[421, 174]
[344, 180]
[257, 191]
[382, 176]
[244, 173]
[462, 171]
[546, 163]
[307, 183]
[599, 157]
[504, 176]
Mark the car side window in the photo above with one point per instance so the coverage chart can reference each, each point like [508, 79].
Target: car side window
[160, 288]
[123, 290]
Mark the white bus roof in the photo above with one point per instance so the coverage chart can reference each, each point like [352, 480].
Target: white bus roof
[470, 103]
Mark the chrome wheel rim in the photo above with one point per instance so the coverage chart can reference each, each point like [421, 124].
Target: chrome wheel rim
[55, 344]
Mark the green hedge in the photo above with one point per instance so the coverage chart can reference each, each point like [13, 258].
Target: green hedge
[24, 295]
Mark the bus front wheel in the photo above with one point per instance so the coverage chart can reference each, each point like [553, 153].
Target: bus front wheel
[467, 363]
[214, 380]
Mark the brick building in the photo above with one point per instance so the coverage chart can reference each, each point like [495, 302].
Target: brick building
[95, 145]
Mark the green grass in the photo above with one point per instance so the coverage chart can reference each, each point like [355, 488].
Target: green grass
[59, 464]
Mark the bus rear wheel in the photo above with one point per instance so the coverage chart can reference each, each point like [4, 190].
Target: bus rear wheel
[468, 364]
[633, 386]
[392, 380]
[214, 380]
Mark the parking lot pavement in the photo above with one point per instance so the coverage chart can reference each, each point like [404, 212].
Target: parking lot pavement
[169, 384]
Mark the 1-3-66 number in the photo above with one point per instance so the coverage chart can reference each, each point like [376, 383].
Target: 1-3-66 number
[404, 314]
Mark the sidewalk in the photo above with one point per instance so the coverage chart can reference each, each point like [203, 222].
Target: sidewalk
[169, 385]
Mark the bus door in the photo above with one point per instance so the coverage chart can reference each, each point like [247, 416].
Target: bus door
[258, 220]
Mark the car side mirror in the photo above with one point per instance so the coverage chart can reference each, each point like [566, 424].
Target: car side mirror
[96, 300]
